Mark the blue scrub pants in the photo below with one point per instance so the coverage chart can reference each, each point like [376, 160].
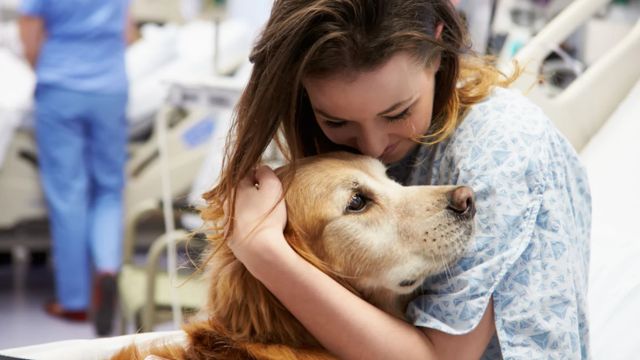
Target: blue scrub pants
[81, 141]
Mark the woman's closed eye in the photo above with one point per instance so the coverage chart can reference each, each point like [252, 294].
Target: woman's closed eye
[401, 116]
[390, 118]
[334, 123]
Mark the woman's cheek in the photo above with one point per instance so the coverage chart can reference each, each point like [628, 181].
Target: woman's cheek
[337, 136]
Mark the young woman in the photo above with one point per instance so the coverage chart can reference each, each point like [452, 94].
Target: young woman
[394, 79]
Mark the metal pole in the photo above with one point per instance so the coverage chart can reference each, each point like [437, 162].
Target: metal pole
[167, 209]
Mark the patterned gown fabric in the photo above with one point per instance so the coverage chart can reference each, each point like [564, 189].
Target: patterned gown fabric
[531, 249]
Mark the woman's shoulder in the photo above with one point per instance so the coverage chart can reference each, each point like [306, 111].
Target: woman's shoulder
[504, 123]
[505, 110]
[504, 137]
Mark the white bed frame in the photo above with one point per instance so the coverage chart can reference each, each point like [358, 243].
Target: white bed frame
[581, 109]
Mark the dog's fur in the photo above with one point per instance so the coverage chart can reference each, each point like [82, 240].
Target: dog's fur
[382, 253]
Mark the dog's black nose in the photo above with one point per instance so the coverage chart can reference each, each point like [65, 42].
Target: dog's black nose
[461, 201]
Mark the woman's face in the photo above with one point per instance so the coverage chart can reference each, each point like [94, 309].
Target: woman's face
[378, 112]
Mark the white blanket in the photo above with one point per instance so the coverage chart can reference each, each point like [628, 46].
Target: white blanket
[91, 349]
[612, 158]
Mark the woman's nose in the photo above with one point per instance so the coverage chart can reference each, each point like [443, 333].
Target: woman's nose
[372, 144]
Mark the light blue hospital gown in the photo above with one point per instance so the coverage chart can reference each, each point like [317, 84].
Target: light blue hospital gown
[531, 249]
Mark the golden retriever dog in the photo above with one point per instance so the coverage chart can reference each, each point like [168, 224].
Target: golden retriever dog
[377, 238]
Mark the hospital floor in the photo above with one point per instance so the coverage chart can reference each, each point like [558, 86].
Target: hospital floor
[24, 287]
[22, 317]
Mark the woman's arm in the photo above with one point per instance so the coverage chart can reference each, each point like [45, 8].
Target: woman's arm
[130, 30]
[349, 326]
[32, 34]
[345, 324]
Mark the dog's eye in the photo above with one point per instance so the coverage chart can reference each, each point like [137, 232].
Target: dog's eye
[357, 203]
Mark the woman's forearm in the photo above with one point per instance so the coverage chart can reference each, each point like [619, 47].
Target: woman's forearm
[130, 30]
[32, 35]
[348, 326]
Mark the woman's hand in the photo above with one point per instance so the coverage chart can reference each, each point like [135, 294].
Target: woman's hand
[260, 217]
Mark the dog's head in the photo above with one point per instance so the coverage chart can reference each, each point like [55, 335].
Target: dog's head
[373, 232]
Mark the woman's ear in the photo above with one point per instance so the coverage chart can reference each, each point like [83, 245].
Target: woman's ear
[436, 61]
[439, 28]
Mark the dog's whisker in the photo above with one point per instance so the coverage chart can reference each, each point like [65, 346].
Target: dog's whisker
[444, 266]
[474, 243]
[448, 272]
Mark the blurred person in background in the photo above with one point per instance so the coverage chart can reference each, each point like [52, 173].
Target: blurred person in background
[77, 50]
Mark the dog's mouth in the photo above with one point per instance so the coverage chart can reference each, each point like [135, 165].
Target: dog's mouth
[411, 281]
[407, 283]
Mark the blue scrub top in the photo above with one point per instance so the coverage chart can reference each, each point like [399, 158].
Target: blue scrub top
[85, 44]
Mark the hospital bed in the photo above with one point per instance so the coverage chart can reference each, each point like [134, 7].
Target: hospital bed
[600, 114]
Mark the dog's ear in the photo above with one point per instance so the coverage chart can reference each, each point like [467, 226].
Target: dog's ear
[295, 238]
[300, 242]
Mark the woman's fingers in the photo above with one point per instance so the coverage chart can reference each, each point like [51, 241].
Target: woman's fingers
[246, 184]
[266, 179]
[261, 175]
[258, 206]
[257, 196]
[248, 181]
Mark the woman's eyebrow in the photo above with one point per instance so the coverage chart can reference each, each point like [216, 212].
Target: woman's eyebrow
[388, 110]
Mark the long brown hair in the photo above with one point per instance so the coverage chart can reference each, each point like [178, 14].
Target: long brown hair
[321, 37]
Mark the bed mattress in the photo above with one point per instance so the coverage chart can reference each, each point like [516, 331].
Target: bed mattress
[612, 159]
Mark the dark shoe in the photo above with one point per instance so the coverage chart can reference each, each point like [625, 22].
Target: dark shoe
[104, 303]
[54, 309]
